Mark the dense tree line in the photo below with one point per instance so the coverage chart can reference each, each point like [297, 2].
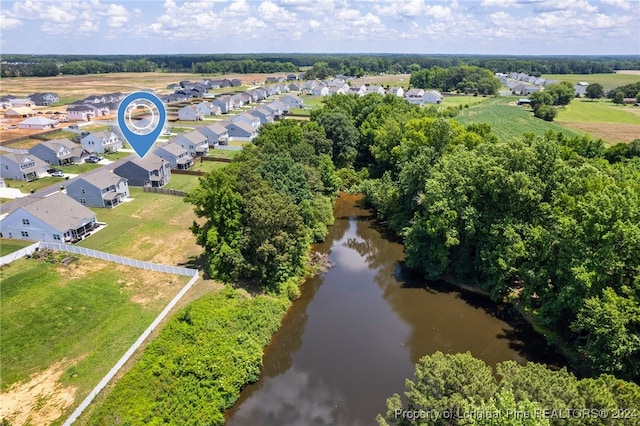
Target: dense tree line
[346, 64]
[628, 91]
[544, 221]
[458, 389]
[463, 79]
[262, 211]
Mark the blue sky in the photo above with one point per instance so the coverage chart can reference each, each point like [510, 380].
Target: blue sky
[521, 27]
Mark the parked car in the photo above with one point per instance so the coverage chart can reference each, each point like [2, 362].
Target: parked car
[58, 173]
[93, 159]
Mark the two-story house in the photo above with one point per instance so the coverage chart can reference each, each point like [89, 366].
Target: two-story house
[175, 155]
[25, 167]
[100, 142]
[148, 171]
[99, 188]
[215, 133]
[194, 142]
[59, 152]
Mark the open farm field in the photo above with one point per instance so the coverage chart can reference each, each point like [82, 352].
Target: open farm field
[152, 227]
[507, 120]
[602, 119]
[457, 100]
[64, 327]
[391, 80]
[609, 81]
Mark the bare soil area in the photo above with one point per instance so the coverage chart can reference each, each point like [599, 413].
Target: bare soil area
[612, 132]
[630, 72]
[39, 401]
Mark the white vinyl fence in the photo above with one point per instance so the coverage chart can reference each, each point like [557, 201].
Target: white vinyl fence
[18, 254]
[119, 259]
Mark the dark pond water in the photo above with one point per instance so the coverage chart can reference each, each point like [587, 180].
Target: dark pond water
[355, 334]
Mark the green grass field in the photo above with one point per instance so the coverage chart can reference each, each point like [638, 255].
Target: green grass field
[59, 135]
[80, 318]
[188, 183]
[462, 100]
[79, 168]
[508, 121]
[9, 246]
[599, 111]
[35, 185]
[152, 227]
[224, 153]
[608, 81]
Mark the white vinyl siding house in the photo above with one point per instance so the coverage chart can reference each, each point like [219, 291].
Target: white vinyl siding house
[56, 217]
[100, 188]
[26, 167]
[100, 142]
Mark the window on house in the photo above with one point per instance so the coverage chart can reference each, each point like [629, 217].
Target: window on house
[56, 237]
[83, 201]
[25, 221]
[24, 233]
[83, 190]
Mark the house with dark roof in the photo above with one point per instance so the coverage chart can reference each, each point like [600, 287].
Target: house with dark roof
[150, 171]
[99, 188]
[59, 152]
[80, 112]
[56, 218]
[175, 155]
[25, 167]
[44, 99]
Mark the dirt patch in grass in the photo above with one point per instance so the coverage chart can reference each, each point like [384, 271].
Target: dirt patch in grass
[610, 132]
[41, 400]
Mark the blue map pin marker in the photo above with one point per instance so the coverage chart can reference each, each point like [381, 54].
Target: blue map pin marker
[141, 118]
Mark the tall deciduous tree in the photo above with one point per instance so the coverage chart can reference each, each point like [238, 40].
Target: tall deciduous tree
[594, 91]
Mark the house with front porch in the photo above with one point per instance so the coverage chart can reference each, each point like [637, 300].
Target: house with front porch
[80, 112]
[99, 188]
[101, 142]
[58, 152]
[150, 171]
[55, 218]
[194, 142]
[175, 155]
[26, 167]
[215, 133]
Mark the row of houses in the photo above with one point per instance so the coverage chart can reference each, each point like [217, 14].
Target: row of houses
[34, 99]
[94, 106]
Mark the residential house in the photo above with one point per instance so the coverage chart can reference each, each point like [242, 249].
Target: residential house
[264, 114]
[17, 112]
[58, 152]
[80, 112]
[39, 123]
[357, 90]
[25, 167]
[432, 97]
[376, 89]
[44, 99]
[292, 77]
[252, 118]
[262, 93]
[414, 92]
[175, 155]
[55, 218]
[320, 90]
[215, 133]
[241, 130]
[206, 108]
[25, 102]
[271, 80]
[235, 82]
[337, 91]
[295, 87]
[99, 108]
[99, 188]
[292, 101]
[194, 142]
[397, 91]
[580, 89]
[148, 171]
[238, 101]
[224, 103]
[190, 113]
[274, 90]
[100, 142]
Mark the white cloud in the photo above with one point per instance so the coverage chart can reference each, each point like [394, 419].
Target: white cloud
[621, 4]
[272, 13]
[7, 22]
[236, 8]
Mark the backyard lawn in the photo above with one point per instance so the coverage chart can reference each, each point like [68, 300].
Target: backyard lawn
[151, 227]
[35, 185]
[64, 327]
[9, 245]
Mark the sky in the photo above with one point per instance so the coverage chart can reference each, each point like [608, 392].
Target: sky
[513, 27]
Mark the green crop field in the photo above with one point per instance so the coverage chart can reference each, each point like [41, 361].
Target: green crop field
[64, 327]
[462, 100]
[508, 120]
[608, 81]
[152, 227]
[9, 246]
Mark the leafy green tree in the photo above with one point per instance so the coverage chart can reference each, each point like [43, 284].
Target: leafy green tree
[618, 98]
[539, 99]
[562, 93]
[546, 112]
[340, 129]
[594, 91]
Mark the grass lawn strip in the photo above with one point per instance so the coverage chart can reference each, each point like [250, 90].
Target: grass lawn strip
[9, 246]
[152, 227]
[64, 327]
